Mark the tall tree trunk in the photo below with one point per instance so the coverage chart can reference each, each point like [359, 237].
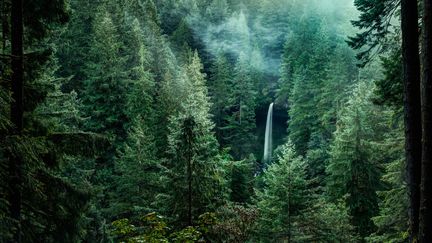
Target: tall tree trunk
[411, 77]
[425, 233]
[189, 140]
[5, 24]
[15, 162]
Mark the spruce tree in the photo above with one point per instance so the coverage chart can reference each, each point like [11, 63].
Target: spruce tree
[354, 169]
[392, 220]
[139, 171]
[107, 84]
[241, 125]
[194, 176]
[219, 91]
[283, 197]
[242, 180]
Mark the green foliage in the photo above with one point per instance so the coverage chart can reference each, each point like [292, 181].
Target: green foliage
[392, 220]
[376, 18]
[150, 228]
[138, 182]
[389, 90]
[317, 68]
[235, 223]
[194, 169]
[326, 222]
[121, 121]
[283, 197]
[187, 235]
[106, 87]
[240, 122]
[242, 180]
[355, 165]
[219, 90]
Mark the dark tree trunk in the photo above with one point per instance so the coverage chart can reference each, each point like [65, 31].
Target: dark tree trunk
[425, 233]
[411, 77]
[15, 165]
[5, 24]
[189, 141]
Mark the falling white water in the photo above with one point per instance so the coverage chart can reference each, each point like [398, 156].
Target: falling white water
[268, 136]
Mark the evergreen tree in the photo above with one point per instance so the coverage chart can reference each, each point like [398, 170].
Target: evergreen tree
[217, 11]
[303, 77]
[241, 125]
[47, 206]
[74, 45]
[219, 90]
[107, 83]
[242, 180]
[139, 173]
[392, 220]
[282, 198]
[355, 167]
[195, 178]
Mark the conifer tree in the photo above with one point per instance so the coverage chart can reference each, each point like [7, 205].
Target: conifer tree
[74, 45]
[283, 197]
[217, 11]
[242, 180]
[139, 174]
[219, 90]
[354, 169]
[392, 220]
[240, 128]
[107, 83]
[195, 178]
[304, 73]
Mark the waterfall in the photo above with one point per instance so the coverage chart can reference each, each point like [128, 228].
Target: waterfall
[268, 137]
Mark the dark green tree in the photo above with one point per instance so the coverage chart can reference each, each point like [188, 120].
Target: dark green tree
[355, 166]
[241, 125]
[283, 197]
[219, 91]
[195, 177]
[242, 180]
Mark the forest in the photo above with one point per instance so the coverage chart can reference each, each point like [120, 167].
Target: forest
[216, 121]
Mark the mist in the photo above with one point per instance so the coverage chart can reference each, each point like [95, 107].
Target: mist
[260, 29]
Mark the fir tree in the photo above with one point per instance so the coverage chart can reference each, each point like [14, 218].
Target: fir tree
[240, 128]
[139, 171]
[242, 180]
[195, 178]
[219, 90]
[283, 197]
[355, 167]
[107, 82]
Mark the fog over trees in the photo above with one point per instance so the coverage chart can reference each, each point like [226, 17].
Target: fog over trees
[215, 121]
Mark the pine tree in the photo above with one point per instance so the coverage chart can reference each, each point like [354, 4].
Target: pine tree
[354, 169]
[139, 173]
[217, 11]
[242, 180]
[303, 78]
[51, 206]
[240, 128]
[195, 178]
[392, 221]
[283, 197]
[219, 90]
[107, 83]
[74, 45]
[137, 165]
